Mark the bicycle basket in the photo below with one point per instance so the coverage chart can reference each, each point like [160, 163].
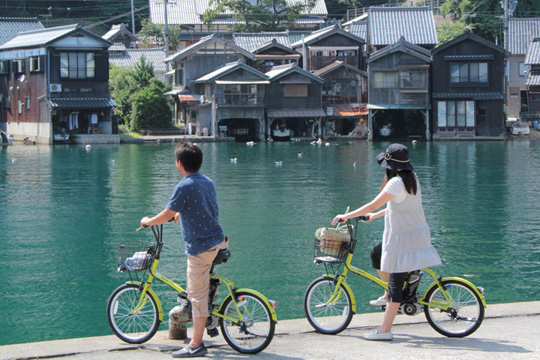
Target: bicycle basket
[331, 245]
[135, 256]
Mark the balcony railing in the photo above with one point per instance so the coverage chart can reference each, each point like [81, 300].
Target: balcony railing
[241, 100]
[318, 62]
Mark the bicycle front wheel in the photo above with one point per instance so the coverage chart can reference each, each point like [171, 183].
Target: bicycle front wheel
[328, 310]
[465, 311]
[134, 327]
[255, 332]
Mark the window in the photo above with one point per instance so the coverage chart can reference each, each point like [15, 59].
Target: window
[468, 72]
[77, 65]
[385, 80]
[523, 69]
[19, 66]
[7, 103]
[245, 94]
[4, 67]
[27, 103]
[295, 90]
[35, 64]
[412, 79]
[20, 106]
[179, 76]
[455, 113]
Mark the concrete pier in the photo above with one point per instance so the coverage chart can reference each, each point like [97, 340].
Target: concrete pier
[509, 331]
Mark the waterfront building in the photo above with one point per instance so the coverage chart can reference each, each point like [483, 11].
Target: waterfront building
[269, 49]
[533, 81]
[55, 86]
[236, 105]
[399, 92]
[119, 34]
[344, 98]
[294, 103]
[468, 88]
[521, 32]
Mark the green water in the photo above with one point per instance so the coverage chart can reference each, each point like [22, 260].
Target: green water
[64, 210]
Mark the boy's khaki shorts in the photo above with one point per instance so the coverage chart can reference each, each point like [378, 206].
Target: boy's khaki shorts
[198, 279]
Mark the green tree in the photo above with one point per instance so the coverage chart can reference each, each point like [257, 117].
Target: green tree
[120, 88]
[448, 30]
[153, 34]
[263, 15]
[150, 108]
[142, 74]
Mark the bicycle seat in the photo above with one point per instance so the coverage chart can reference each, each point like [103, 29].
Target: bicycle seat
[222, 256]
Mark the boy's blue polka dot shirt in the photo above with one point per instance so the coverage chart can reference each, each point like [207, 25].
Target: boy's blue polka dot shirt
[195, 198]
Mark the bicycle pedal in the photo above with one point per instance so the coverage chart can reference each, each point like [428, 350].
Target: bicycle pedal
[212, 332]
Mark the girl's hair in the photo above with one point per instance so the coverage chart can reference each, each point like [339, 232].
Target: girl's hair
[408, 176]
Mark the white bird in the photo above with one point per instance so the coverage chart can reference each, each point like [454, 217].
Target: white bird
[278, 163]
[300, 154]
[354, 164]
[250, 143]
[327, 144]
[233, 160]
[319, 141]
[88, 147]
[414, 142]
[313, 142]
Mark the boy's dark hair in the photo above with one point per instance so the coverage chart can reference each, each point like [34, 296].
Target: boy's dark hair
[409, 179]
[190, 155]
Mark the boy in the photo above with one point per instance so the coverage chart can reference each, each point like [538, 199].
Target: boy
[194, 202]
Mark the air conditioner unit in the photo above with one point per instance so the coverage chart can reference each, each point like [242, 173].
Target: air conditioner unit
[55, 87]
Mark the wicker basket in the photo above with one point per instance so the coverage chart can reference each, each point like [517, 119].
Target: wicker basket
[332, 244]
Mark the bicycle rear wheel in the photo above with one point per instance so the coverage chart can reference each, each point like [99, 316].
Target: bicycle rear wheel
[137, 327]
[255, 333]
[464, 315]
[328, 317]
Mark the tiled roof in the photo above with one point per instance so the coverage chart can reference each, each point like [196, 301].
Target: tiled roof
[388, 24]
[119, 29]
[325, 32]
[290, 113]
[533, 78]
[402, 45]
[44, 36]
[281, 70]
[11, 27]
[205, 41]
[533, 53]
[468, 35]
[190, 12]
[226, 69]
[473, 96]
[520, 33]
[253, 41]
[359, 29]
[131, 57]
[336, 65]
[81, 103]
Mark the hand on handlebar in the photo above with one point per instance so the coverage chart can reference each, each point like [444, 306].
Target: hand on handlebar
[339, 219]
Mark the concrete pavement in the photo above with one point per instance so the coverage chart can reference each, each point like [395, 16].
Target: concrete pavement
[509, 331]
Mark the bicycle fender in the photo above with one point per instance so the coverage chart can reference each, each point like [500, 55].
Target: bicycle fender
[263, 298]
[158, 303]
[349, 290]
[463, 281]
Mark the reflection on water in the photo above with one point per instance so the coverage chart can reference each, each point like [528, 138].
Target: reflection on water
[66, 209]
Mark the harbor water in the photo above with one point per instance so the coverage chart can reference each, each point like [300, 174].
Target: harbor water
[64, 211]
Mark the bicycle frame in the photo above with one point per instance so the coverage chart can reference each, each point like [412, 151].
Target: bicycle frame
[340, 280]
[153, 274]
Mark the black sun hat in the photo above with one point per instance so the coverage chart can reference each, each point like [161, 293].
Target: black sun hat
[395, 158]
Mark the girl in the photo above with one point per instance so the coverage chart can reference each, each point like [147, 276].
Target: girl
[406, 244]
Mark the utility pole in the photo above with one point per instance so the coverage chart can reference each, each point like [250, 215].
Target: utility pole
[505, 24]
[166, 36]
[132, 19]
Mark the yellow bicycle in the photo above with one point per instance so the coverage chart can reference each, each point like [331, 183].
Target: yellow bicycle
[246, 317]
[453, 306]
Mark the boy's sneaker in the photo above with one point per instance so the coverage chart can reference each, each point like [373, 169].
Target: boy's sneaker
[188, 351]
